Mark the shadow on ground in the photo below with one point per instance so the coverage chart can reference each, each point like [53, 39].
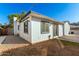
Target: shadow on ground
[14, 40]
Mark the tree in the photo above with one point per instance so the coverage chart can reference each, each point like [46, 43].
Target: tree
[22, 14]
[10, 17]
[19, 16]
[75, 23]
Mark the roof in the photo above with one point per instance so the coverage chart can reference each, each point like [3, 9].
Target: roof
[35, 14]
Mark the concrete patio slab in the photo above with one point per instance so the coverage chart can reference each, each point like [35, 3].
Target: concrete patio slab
[2, 38]
[11, 42]
[14, 40]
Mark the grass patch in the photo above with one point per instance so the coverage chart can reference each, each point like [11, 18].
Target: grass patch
[70, 43]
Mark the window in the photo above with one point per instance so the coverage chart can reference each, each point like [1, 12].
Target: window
[26, 27]
[18, 27]
[44, 27]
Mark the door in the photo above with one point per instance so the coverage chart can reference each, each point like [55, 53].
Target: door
[55, 30]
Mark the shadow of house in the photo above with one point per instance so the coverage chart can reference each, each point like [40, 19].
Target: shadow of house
[14, 40]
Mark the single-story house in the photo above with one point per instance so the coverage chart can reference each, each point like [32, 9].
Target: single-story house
[74, 29]
[35, 27]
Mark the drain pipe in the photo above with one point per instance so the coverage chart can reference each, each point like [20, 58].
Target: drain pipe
[49, 37]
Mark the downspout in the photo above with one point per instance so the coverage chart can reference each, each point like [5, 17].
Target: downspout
[15, 23]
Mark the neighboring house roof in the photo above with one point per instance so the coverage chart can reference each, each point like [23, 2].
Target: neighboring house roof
[73, 27]
[34, 14]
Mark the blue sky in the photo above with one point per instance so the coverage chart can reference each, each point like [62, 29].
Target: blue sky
[60, 12]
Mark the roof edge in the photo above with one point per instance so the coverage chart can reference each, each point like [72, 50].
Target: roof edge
[30, 12]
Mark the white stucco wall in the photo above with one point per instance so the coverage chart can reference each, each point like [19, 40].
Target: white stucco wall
[26, 36]
[36, 31]
[60, 28]
[66, 28]
[16, 23]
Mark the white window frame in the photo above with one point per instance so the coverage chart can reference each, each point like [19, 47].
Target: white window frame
[43, 27]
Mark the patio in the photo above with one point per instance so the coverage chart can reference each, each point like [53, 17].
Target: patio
[2, 38]
[11, 42]
[14, 40]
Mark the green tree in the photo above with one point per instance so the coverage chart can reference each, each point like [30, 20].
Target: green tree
[22, 14]
[10, 17]
[19, 16]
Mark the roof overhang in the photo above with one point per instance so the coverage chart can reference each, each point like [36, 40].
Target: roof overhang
[44, 18]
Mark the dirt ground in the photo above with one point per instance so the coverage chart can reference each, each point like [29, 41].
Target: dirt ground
[49, 48]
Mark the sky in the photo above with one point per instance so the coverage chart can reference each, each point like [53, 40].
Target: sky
[57, 11]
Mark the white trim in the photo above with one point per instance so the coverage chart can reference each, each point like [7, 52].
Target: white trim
[55, 36]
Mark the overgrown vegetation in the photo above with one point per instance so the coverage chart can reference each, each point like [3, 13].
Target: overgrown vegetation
[70, 43]
[19, 16]
[4, 26]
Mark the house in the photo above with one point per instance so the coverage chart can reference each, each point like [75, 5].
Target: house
[74, 29]
[35, 27]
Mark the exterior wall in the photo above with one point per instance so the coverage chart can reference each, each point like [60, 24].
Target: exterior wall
[36, 31]
[16, 23]
[26, 36]
[60, 28]
[66, 28]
